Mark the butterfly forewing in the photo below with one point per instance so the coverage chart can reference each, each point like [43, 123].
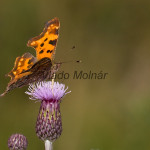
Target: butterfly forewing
[45, 43]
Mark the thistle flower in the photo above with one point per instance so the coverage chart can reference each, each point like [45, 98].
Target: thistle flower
[17, 142]
[49, 124]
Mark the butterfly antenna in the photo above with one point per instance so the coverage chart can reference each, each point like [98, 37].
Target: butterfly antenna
[73, 47]
[68, 51]
[71, 61]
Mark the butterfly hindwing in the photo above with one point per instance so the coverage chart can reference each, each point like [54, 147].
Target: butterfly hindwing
[20, 71]
[45, 43]
[22, 63]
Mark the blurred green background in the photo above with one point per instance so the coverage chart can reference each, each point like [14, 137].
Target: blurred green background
[111, 36]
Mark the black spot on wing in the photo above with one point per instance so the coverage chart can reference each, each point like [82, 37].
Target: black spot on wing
[42, 45]
[29, 62]
[53, 42]
[49, 51]
[24, 70]
[41, 52]
[46, 39]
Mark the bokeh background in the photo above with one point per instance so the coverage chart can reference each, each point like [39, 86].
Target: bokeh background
[111, 36]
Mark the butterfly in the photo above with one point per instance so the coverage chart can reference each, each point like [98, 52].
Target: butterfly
[29, 69]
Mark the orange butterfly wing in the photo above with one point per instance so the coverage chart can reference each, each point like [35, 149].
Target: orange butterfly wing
[22, 63]
[45, 43]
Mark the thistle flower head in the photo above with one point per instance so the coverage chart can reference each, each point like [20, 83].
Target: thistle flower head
[17, 142]
[47, 91]
[49, 124]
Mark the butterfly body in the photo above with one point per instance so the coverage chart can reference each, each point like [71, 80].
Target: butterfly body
[29, 69]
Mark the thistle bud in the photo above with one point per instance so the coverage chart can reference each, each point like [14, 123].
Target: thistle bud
[17, 142]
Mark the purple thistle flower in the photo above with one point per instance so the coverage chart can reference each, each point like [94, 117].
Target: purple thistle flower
[47, 91]
[17, 142]
[49, 124]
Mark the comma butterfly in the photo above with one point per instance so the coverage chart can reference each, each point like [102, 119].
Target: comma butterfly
[29, 69]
